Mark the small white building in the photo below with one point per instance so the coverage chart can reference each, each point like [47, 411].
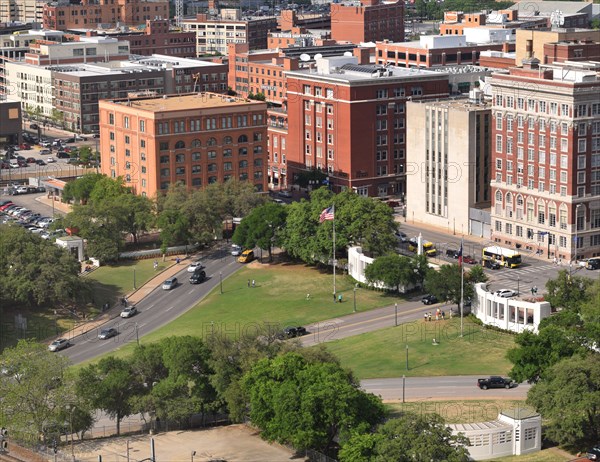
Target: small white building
[73, 244]
[515, 432]
[512, 314]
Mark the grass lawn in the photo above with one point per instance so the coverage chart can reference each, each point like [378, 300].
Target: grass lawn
[382, 353]
[546, 455]
[111, 282]
[463, 411]
[279, 299]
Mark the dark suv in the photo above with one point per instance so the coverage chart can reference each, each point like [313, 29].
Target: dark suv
[452, 253]
[198, 277]
[429, 299]
[593, 264]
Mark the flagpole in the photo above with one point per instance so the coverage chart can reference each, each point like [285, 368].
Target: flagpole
[333, 209]
[462, 284]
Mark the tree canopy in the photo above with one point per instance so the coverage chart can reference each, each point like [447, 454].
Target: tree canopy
[262, 227]
[392, 270]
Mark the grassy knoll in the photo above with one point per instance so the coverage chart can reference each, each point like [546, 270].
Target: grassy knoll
[457, 411]
[382, 353]
[113, 281]
[546, 455]
[278, 298]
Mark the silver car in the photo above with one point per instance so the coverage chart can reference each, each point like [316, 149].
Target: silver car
[169, 284]
[59, 344]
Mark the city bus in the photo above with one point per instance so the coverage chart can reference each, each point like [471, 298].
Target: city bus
[503, 256]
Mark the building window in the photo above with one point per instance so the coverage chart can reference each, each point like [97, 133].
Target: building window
[142, 126]
[498, 143]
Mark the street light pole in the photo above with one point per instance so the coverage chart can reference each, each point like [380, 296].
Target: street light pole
[137, 335]
[403, 387]
[406, 357]
[395, 314]
[71, 425]
[577, 230]
[221, 281]
[134, 288]
[355, 299]
[518, 285]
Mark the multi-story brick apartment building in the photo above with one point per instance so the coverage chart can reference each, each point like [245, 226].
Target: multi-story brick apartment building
[157, 39]
[437, 50]
[196, 139]
[349, 121]
[262, 71]
[367, 21]
[77, 89]
[576, 50]
[84, 14]
[546, 159]
[297, 36]
[213, 35]
[290, 19]
[449, 163]
[456, 22]
[533, 42]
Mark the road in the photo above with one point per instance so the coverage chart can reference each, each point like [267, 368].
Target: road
[534, 272]
[438, 388]
[157, 309]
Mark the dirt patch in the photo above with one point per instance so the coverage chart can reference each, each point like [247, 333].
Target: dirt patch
[233, 443]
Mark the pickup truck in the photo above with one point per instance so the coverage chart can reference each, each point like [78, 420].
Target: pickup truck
[494, 382]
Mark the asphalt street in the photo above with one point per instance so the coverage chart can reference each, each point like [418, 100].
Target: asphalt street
[157, 309]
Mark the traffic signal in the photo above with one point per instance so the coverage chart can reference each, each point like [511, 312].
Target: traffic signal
[3, 436]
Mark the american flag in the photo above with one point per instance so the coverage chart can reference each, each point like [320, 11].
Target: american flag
[326, 214]
[460, 254]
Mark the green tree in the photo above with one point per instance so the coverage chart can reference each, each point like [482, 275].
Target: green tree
[109, 385]
[407, 438]
[80, 189]
[446, 283]
[567, 291]
[476, 275]
[536, 353]
[261, 227]
[568, 398]
[36, 272]
[307, 404]
[393, 270]
[421, 268]
[32, 388]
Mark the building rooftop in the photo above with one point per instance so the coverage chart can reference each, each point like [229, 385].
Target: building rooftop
[346, 69]
[520, 413]
[546, 8]
[494, 424]
[474, 103]
[168, 103]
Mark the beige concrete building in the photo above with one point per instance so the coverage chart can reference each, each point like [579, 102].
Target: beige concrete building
[32, 85]
[448, 164]
[540, 37]
[24, 11]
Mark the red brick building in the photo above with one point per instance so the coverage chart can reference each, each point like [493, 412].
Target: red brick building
[546, 159]
[432, 51]
[367, 21]
[157, 38]
[89, 13]
[576, 50]
[196, 139]
[348, 120]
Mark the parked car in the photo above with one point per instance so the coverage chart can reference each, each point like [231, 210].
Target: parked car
[279, 201]
[21, 190]
[44, 152]
[63, 155]
[33, 126]
[290, 332]
[51, 160]
[506, 293]
[30, 160]
[196, 265]
[429, 299]
[246, 257]
[452, 253]
[469, 260]
[198, 277]
[59, 344]
[107, 333]
[25, 146]
[401, 236]
[494, 382]
[129, 311]
[40, 162]
[170, 284]
[284, 193]
[236, 250]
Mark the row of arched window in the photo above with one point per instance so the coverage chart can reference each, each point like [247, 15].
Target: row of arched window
[213, 141]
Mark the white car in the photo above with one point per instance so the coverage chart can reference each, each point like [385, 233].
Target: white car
[59, 344]
[236, 250]
[129, 311]
[197, 265]
[506, 293]
[50, 160]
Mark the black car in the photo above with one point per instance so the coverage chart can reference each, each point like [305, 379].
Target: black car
[593, 264]
[491, 264]
[452, 253]
[429, 299]
[63, 155]
[197, 277]
[594, 453]
[107, 333]
[290, 332]
[33, 126]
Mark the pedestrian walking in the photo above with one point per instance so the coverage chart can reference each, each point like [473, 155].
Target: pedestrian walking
[425, 317]
[443, 315]
[334, 298]
[555, 261]
[155, 265]
[429, 316]
[177, 260]
[253, 283]
[308, 296]
[248, 282]
[340, 298]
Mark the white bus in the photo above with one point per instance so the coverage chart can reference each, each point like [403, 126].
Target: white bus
[503, 256]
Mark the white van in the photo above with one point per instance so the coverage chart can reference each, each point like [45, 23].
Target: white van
[14, 163]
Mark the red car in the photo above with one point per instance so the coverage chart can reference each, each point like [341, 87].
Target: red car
[5, 206]
[24, 146]
[469, 259]
[30, 160]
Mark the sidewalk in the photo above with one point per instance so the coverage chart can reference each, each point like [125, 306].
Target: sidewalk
[133, 298]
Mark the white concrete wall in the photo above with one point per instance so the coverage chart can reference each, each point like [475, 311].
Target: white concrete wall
[508, 313]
